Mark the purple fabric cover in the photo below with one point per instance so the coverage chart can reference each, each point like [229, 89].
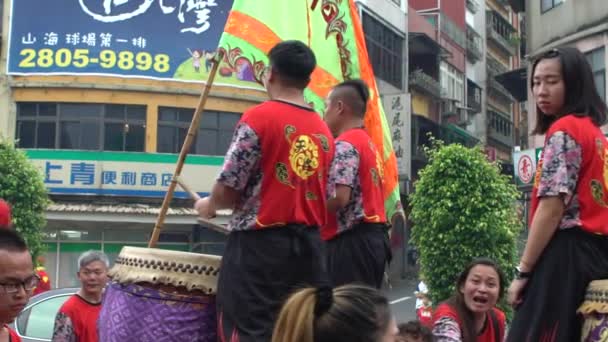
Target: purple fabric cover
[135, 313]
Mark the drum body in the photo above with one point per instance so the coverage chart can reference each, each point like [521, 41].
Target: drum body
[159, 295]
[595, 312]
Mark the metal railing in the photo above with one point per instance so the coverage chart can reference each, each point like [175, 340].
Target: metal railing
[425, 82]
[500, 128]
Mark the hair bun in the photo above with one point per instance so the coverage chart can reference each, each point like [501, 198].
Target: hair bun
[325, 299]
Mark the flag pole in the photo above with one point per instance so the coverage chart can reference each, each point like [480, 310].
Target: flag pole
[192, 131]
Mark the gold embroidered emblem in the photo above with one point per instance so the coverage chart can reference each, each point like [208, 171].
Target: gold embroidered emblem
[311, 196]
[289, 130]
[375, 177]
[379, 161]
[304, 156]
[598, 188]
[282, 174]
[324, 141]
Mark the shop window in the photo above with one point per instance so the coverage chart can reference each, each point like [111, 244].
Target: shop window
[546, 5]
[598, 66]
[81, 126]
[385, 49]
[213, 138]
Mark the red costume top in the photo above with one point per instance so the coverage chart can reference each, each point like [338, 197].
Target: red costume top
[12, 336]
[79, 318]
[45, 282]
[296, 152]
[5, 214]
[370, 177]
[592, 176]
[487, 335]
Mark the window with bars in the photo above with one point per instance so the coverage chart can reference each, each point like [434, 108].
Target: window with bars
[385, 48]
[213, 138]
[598, 65]
[81, 126]
[546, 5]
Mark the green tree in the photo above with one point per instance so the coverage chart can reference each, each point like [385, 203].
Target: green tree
[22, 186]
[463, 208]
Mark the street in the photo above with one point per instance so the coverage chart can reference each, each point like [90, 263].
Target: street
[402, 299]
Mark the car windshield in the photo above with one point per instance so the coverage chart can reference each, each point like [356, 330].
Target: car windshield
[39, 319]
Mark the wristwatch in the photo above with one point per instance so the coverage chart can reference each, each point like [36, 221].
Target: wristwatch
[522, 275]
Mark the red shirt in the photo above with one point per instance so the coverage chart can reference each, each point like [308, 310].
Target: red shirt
[296, 152]
[83, 316]
[45, 282]
[425, 316]
[371, 179]
[488, 334]
[592, 189]
[12, 336]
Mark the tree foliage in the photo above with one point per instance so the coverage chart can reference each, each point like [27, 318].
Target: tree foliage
[463, 208]
[22, 186]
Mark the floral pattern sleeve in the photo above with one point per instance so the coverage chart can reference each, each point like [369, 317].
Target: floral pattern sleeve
[562, 158]
[242, 158]
[446, 329]
[345, 166]
[63, 330]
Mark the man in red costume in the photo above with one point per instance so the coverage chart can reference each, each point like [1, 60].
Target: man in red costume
[45, 281]
[356, 232]
[5, 215]
[17, 281]
[274, 176]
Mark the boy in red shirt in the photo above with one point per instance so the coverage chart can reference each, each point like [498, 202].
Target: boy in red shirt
[76, 321]
[17, 281]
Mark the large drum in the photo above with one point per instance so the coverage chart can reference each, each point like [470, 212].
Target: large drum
[595, 312]
[160, 295]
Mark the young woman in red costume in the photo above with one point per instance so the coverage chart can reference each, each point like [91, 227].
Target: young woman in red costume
[470, 315]
[567, 245]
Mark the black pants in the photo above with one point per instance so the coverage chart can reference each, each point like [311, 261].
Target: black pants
[359, 255]
[260, 269]
[572, 259]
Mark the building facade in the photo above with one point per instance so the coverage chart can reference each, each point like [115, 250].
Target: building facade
[102, 104]
[554, 23]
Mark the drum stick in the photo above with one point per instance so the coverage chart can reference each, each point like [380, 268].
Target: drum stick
[182, 185]
[207, 223]
[213, 226]
[192, 131]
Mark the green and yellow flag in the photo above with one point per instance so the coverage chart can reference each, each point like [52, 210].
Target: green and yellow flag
[332, 29]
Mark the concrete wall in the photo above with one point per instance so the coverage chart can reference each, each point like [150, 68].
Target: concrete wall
[572, 16]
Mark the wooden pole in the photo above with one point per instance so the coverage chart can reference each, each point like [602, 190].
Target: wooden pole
[207, 223]
[192, 131]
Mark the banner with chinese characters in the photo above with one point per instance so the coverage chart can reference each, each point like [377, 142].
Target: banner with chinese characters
[122, 173]
[160, 39]
[398, 116]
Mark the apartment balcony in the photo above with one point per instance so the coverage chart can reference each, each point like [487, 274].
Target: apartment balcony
[494, 69]
[499, 31]
[500, 128]
[425, 83]
[473, 6]
[474, 45]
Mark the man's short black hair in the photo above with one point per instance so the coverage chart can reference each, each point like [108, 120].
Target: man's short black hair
[294, 62]
[355, 93]
[11, 241]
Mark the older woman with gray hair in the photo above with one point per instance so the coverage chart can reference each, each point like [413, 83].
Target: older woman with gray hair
[76, 321]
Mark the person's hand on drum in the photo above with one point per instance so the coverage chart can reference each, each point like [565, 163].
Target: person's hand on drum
[204, 208]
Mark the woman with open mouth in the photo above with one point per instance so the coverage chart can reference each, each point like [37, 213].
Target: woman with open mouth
[470, 315]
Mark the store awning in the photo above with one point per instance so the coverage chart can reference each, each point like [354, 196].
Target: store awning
[137, 213]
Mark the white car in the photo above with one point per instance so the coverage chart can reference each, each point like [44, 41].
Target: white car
[35, 323]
